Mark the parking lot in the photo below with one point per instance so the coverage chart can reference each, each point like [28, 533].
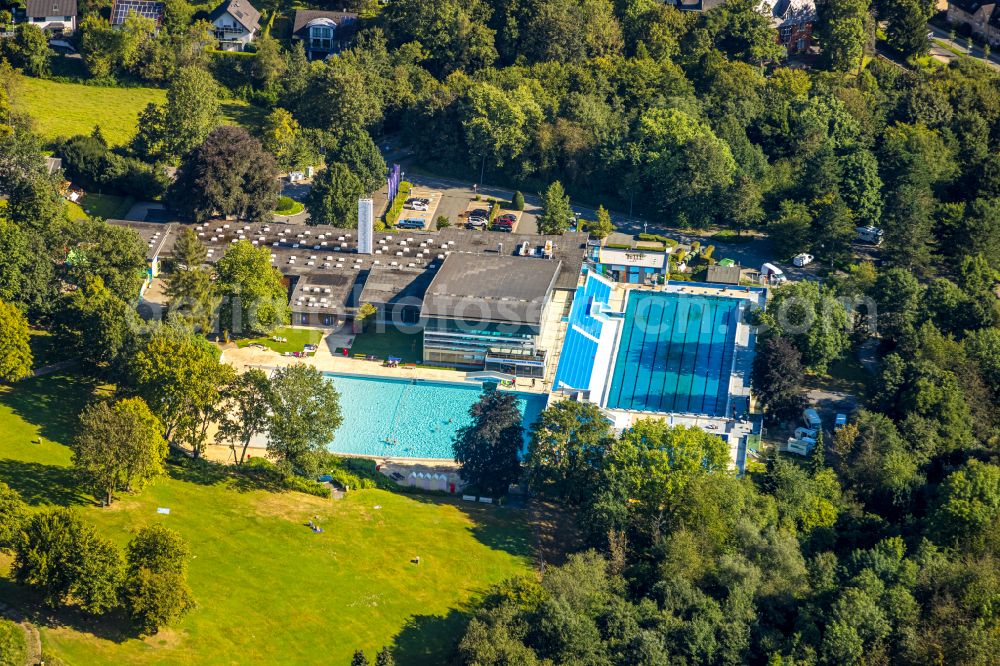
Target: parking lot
[430, 199]
[477, 215]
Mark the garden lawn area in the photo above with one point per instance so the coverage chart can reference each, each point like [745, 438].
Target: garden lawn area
[389, 342]
[297, 339]
[106, 206]
[268, 589]
[65, 109]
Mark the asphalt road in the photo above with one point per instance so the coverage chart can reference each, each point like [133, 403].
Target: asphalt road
[959, 44]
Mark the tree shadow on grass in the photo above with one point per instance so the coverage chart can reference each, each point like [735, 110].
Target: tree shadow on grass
[430, 639]
[112, 627]
[246, 115]
[497, 527]
[53, 403]
[43, 484]
[201, 472]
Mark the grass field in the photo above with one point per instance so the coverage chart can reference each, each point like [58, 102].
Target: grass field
[65, 109]
[296, 338]
[268, 589]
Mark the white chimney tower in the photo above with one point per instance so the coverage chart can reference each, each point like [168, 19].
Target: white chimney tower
[366, 225]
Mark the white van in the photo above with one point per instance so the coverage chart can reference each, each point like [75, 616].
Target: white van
[811, 418]
[869, 234]
[771, 274]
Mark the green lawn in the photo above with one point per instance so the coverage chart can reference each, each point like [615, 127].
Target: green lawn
[292, 207]
[296, 338]
[65, 109]
[268, 589]
[107, 206]
[390, 342]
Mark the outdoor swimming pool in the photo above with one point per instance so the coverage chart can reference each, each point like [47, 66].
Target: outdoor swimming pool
[418, 417]
[675, 354]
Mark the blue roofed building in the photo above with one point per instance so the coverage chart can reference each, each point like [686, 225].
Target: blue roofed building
[588, 348]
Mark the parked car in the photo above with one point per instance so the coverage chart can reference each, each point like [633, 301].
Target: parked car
[477, 222]
[811, 418]
[415, 204]
[839, 421]
[479, 212]
[503, 225]
[802, 259]
[410, 223]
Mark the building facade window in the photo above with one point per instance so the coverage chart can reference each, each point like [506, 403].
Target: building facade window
[321, 37]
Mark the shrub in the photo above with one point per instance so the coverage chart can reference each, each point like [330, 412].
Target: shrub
[392, 215]
[13, 647]
[695, 246]
[707, 253]
[669, 242]
[517, 202]
[442, 222]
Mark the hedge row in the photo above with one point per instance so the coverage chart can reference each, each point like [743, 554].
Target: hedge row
[392, 215]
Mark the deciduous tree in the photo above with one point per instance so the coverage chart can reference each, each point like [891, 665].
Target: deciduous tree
[255, 298]
[566, 451]
[66, 561]
[119, 446]
[155, 589]
[229, 174]
[556, 211]
[245, 411]
[15, 352]
[305, 415]
[334, 196]
[777, 378]
[13, 514]
[487, 449]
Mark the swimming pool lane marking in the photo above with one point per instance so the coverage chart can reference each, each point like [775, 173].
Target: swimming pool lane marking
[668, 342]
[687, 353]
[650, 340]
[677, 334]
[710, 384]
[395, 412]
[621, 357]
[696, 397]
[635, 355]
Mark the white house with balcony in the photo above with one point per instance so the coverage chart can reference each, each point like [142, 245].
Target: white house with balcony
[57, 17]
[235, 23]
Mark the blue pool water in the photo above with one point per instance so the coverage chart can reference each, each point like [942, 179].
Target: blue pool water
[675, 353]
[422, 417]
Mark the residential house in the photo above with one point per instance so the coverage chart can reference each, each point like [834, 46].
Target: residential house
[323, 33]
[235, 23]
[983, 18]
[793, 19]
[57, 17]
[150, 9]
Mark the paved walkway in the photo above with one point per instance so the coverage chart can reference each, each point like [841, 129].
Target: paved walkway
[55, 367]
[326, 361]
[31, 636]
